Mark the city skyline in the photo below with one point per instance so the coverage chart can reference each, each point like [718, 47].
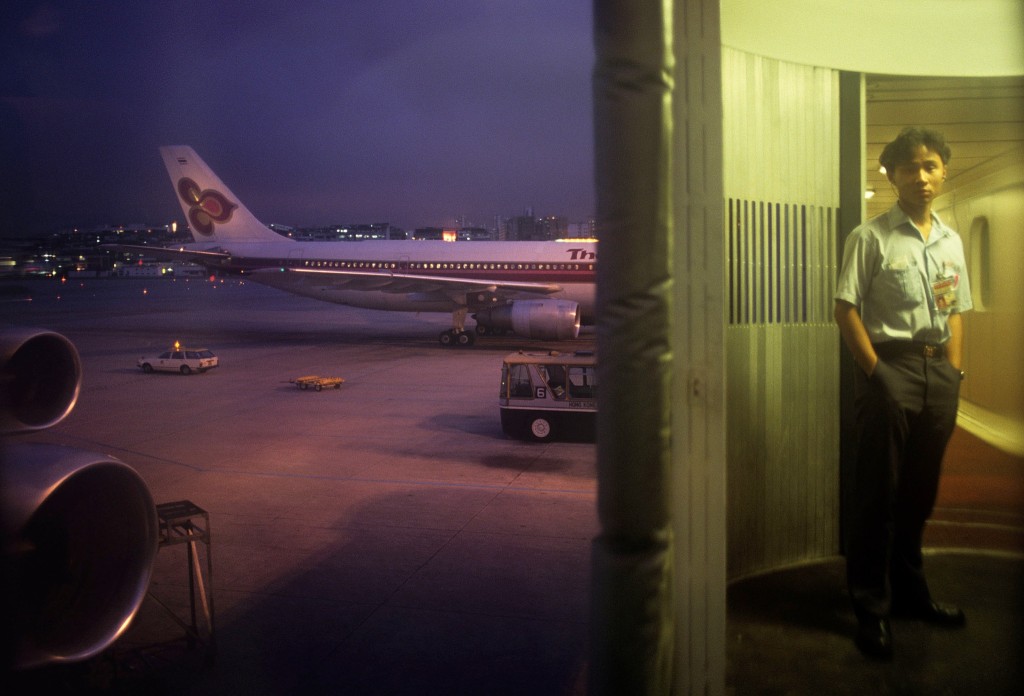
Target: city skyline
[412, 114]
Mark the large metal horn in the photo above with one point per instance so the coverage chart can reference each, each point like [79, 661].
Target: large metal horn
[40, 376]
[80, 538]
[78, 530]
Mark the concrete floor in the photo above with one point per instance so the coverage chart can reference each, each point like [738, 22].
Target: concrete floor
[387, 538]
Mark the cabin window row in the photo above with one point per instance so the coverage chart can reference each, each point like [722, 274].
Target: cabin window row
[449, 266]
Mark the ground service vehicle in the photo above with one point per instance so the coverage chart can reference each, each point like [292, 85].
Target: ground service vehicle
[183, 360]
[547, 395]
[317, 383]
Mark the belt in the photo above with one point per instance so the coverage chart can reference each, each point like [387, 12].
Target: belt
[891, 349]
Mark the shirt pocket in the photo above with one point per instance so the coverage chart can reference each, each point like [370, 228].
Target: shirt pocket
[900, 281]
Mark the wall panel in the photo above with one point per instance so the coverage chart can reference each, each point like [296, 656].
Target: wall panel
[781, 163]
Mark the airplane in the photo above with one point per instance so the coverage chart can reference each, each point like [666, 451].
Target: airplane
[538, 290]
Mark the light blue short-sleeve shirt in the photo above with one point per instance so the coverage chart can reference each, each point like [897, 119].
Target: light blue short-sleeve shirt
[904, 288]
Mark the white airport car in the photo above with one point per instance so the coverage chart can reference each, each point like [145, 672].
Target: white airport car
[183, 360]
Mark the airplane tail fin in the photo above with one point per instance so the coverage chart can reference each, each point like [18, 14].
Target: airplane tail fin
[213, 212]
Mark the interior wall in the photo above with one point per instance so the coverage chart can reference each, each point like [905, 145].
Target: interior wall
[986, 207]
[781, 166]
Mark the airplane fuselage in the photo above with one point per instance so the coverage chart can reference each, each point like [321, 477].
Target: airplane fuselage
[569, 264]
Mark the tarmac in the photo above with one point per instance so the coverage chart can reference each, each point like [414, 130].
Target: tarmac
[387, 537]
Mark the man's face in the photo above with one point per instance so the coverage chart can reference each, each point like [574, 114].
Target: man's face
[918, 180]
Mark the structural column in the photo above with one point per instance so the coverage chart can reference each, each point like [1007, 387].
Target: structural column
[659, 561]
[698, 342]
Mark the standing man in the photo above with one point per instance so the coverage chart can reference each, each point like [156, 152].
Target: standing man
[902, 288]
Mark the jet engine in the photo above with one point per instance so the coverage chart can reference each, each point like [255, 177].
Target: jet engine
[78, 530]
[40, 375]
[549, 320]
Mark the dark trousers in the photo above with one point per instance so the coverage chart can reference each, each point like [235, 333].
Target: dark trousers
[905, 415]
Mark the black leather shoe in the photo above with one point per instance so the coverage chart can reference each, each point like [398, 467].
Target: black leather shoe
[945, 615]
[874, 638]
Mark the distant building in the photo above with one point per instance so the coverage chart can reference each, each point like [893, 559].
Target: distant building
[474, 234]
[136, 233]
[79, 250]
[429, 233]
[283, 230]
[554, 227]
[583, 230]
[522, 228]
[163, 269]
[498, 228]
[349, 233]
[527, 228]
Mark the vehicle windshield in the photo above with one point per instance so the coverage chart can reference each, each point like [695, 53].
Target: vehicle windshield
[519, 381]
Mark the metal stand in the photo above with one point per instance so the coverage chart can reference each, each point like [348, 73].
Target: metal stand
[183, 522]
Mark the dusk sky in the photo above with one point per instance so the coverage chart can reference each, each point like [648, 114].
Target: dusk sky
[412, 112]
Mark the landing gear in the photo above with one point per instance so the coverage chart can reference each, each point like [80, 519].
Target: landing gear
[484, 330]
[457, 335]
[454, 337]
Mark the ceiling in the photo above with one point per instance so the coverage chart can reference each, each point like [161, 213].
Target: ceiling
[981, 118]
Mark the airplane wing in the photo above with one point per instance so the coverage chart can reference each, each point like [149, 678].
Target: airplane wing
[381, 280]
[184, 254]
[394, 282]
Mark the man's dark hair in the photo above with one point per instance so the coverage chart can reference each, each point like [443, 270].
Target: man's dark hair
[910, 139]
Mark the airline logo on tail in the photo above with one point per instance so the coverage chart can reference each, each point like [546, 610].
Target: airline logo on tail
[205, 208]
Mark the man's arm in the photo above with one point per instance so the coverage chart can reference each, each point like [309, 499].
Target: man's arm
[856, 336]
[955, 346]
